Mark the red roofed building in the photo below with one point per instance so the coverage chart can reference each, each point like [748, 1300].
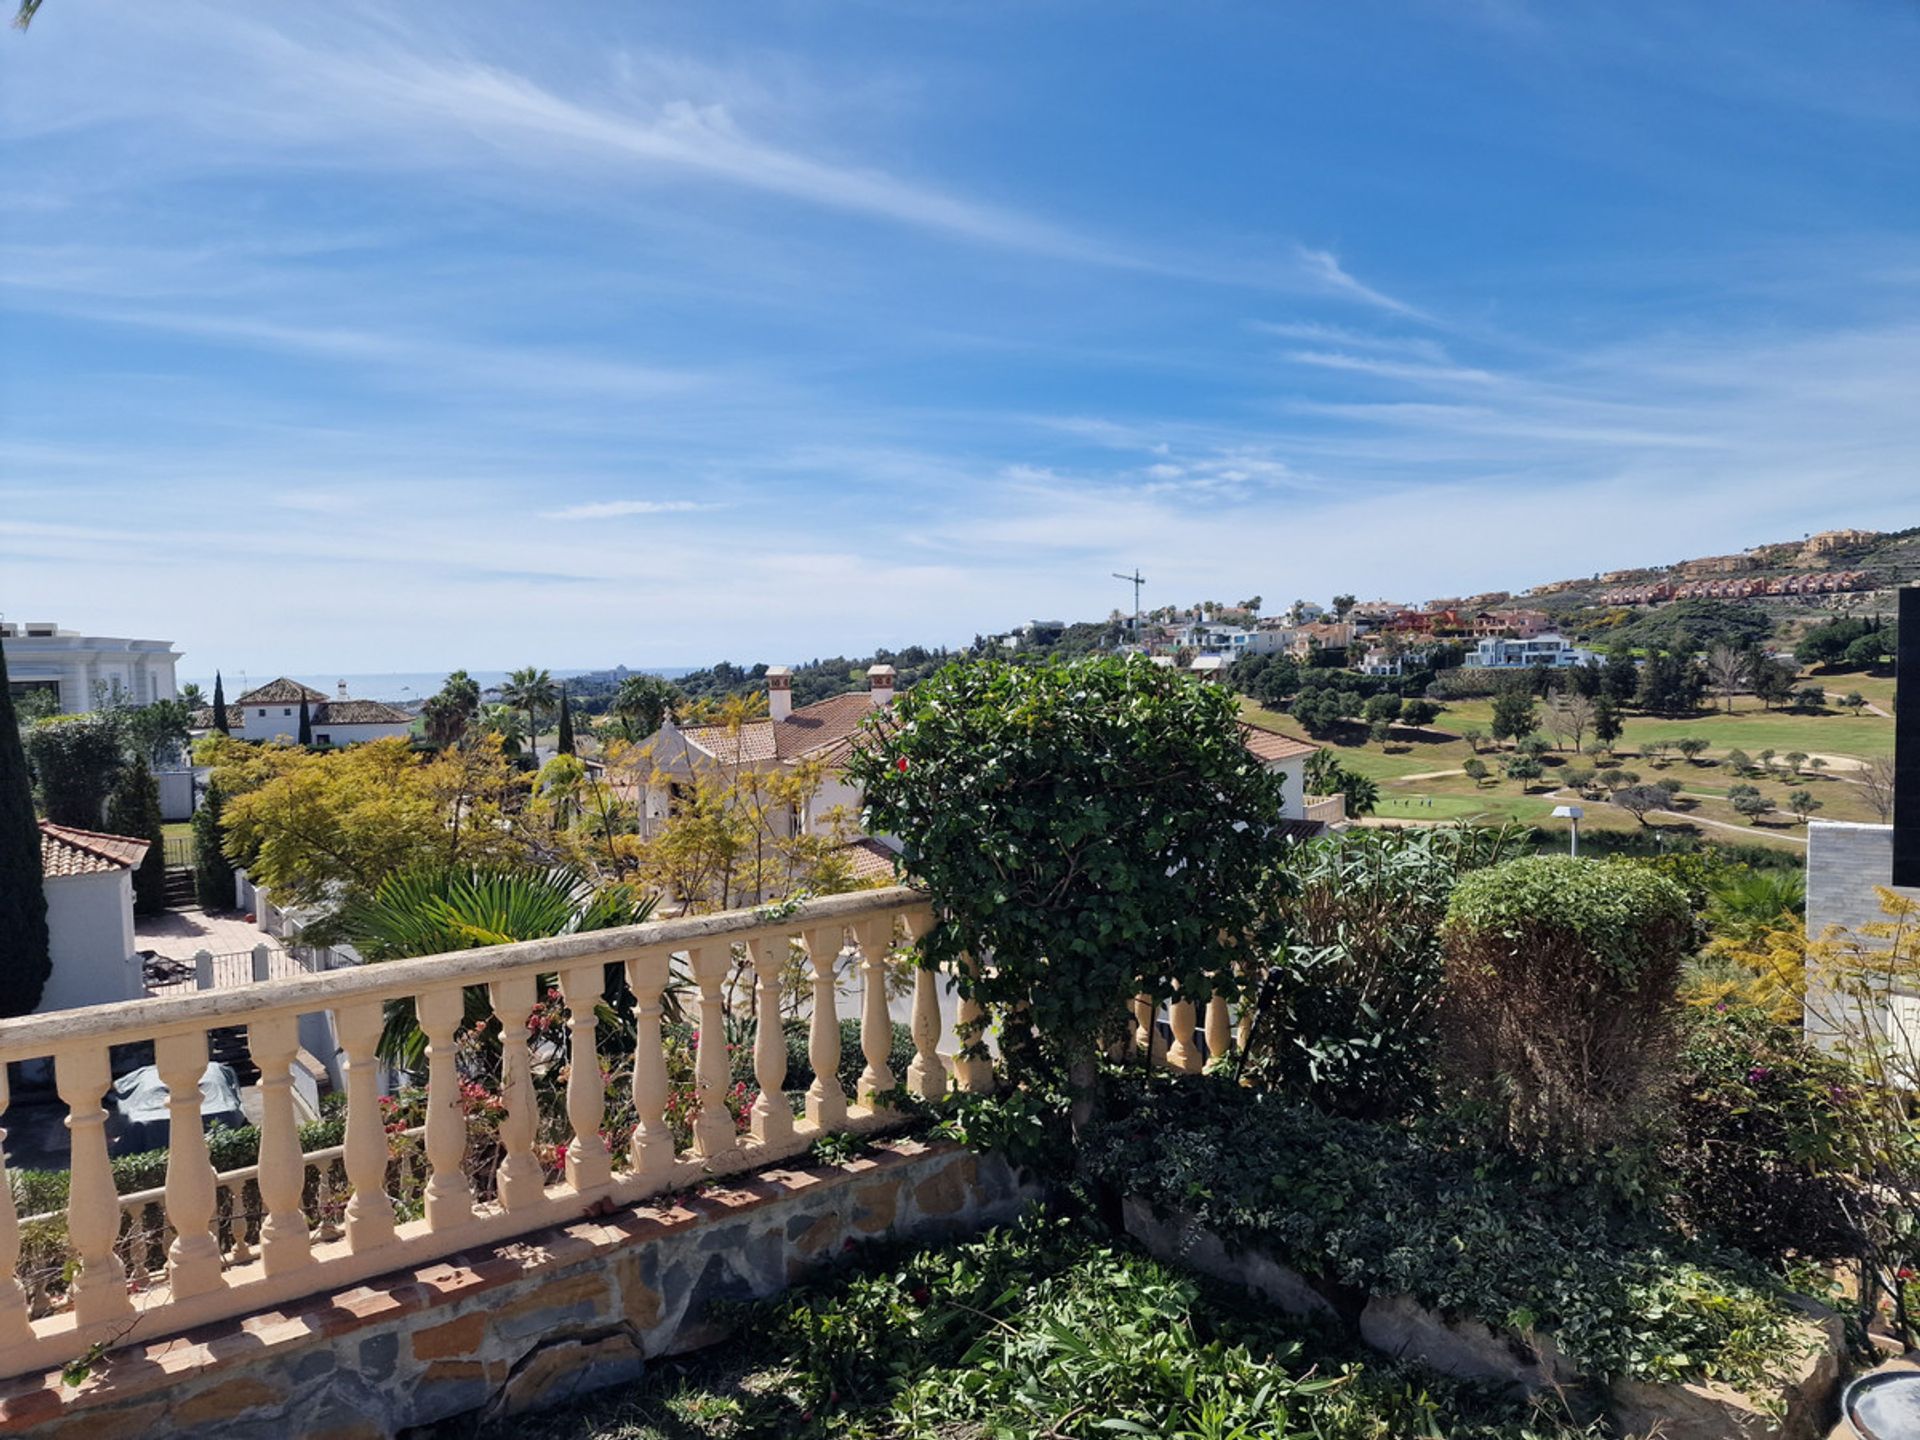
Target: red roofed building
[89, 883]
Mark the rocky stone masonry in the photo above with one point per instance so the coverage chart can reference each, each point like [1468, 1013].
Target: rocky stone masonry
[531, 1320]
[1399, 1325]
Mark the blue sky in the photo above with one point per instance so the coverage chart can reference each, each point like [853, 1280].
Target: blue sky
[410, 336]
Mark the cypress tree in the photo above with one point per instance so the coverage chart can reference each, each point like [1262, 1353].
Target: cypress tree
[25, 962]
[566, 723]
[219, 704]
[134, 811]
[212, 871]
[306, 722]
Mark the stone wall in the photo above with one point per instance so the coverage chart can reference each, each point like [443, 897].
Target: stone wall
[526, 1321]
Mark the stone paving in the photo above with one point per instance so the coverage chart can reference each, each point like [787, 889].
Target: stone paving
[177, 934]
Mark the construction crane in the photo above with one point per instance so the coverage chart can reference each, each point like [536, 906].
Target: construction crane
[1136, 579]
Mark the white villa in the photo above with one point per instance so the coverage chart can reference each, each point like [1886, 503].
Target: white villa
[272, 712]
[1499, 652]
[89, 884]
[42, 656]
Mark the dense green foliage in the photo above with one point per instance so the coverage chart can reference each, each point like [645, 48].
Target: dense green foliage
[77, 761]
[1689, 625]
[1845, 641]
[1562, 977]
[1034, 1332]
[134, 810]
[1391, 1210]
[1759, 1144]
[212, 871]
[1348, 1015]
[24, 960]
[1094, 826]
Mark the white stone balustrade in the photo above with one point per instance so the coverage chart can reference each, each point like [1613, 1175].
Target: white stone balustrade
[147, 1265]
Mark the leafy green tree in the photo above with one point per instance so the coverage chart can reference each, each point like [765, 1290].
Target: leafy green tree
[1384, 707]
[156, 733]
[1773, 681]
[78, 760]
[1802, 803]
[1739, 762]
[565, 743]
[1827, 644]
[1475, 770]
[645, 702]
[25, 962]
[1525, 769]
[1092, 826]
[1419, 713]
[1692, 747]
[134, 810]
[1748, 801]
[1513, 711]
[219, 705]
[212, 871]
[1473, 735]
[1534, 745]
[1867, 652]
[1854, 701]
[1639, 800]
[1607, 724]
[1621, 675]
[530, 690]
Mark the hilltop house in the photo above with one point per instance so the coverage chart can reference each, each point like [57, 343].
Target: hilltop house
[42, 656]
[89, 884]
[822, 732]
[272, 712]
[1499, 652]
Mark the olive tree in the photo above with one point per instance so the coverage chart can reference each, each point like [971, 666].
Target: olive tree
[1091, 831]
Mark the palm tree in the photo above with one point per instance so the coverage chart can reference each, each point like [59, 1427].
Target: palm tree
[440, 908]
[192, 696]
[530, 690]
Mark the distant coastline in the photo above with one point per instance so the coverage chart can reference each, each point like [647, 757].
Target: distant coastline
[396, 686]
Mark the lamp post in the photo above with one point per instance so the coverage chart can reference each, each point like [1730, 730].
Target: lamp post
[1571, 814]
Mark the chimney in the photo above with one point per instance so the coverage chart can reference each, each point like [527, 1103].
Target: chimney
[779, 691]
[1906, 745]
[342, 688]
[880, 684]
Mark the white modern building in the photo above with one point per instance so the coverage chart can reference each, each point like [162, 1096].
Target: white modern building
[1500, 652]
[89, 884]
[78, 668]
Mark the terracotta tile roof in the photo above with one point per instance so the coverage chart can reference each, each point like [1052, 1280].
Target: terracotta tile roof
[359, 712]
[808, 730]
[67, 851]
[871, 859]
[279, 692]
[1268, 746]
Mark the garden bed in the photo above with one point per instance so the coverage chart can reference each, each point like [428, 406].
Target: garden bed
[1469, 1261]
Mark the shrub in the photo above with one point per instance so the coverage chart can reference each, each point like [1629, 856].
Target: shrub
[1347, 1016]
[1393, 1209]
[212, 871]
[134, 810]
[77, 759]
[1760, 1138]
[1093, 826]
[1561, 976]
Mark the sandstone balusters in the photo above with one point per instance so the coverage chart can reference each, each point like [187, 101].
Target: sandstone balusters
[284, 1244]
[369, 1209]
[449, 1193]
[193, 1259]
[876, 1026]
[518, 1183]
[713, 1132]
[826, 1100]
[589, 1166]
[973, 1073]
[926, 1073]
[15, 1325]
[772, 1118]
[652, 1152]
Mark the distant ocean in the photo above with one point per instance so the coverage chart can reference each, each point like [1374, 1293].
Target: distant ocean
[395, 687]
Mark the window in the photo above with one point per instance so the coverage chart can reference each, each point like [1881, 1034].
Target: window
[286, 712]
[323, 739]
[263, 714]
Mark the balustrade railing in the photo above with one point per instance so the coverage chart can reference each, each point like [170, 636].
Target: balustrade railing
[208, 1246]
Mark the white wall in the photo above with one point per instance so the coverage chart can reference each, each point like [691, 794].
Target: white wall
[90, 920]
[1846, 863]
[176, 794]
[353, 734]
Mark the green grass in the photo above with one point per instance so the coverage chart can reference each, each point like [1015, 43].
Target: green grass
[177, 829]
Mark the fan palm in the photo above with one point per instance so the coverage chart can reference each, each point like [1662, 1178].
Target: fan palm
[436, 909]
[531, 690]
[1748, 901]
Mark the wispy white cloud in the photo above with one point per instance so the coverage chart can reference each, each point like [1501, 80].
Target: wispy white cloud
[1324, 267]
[615, 509]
